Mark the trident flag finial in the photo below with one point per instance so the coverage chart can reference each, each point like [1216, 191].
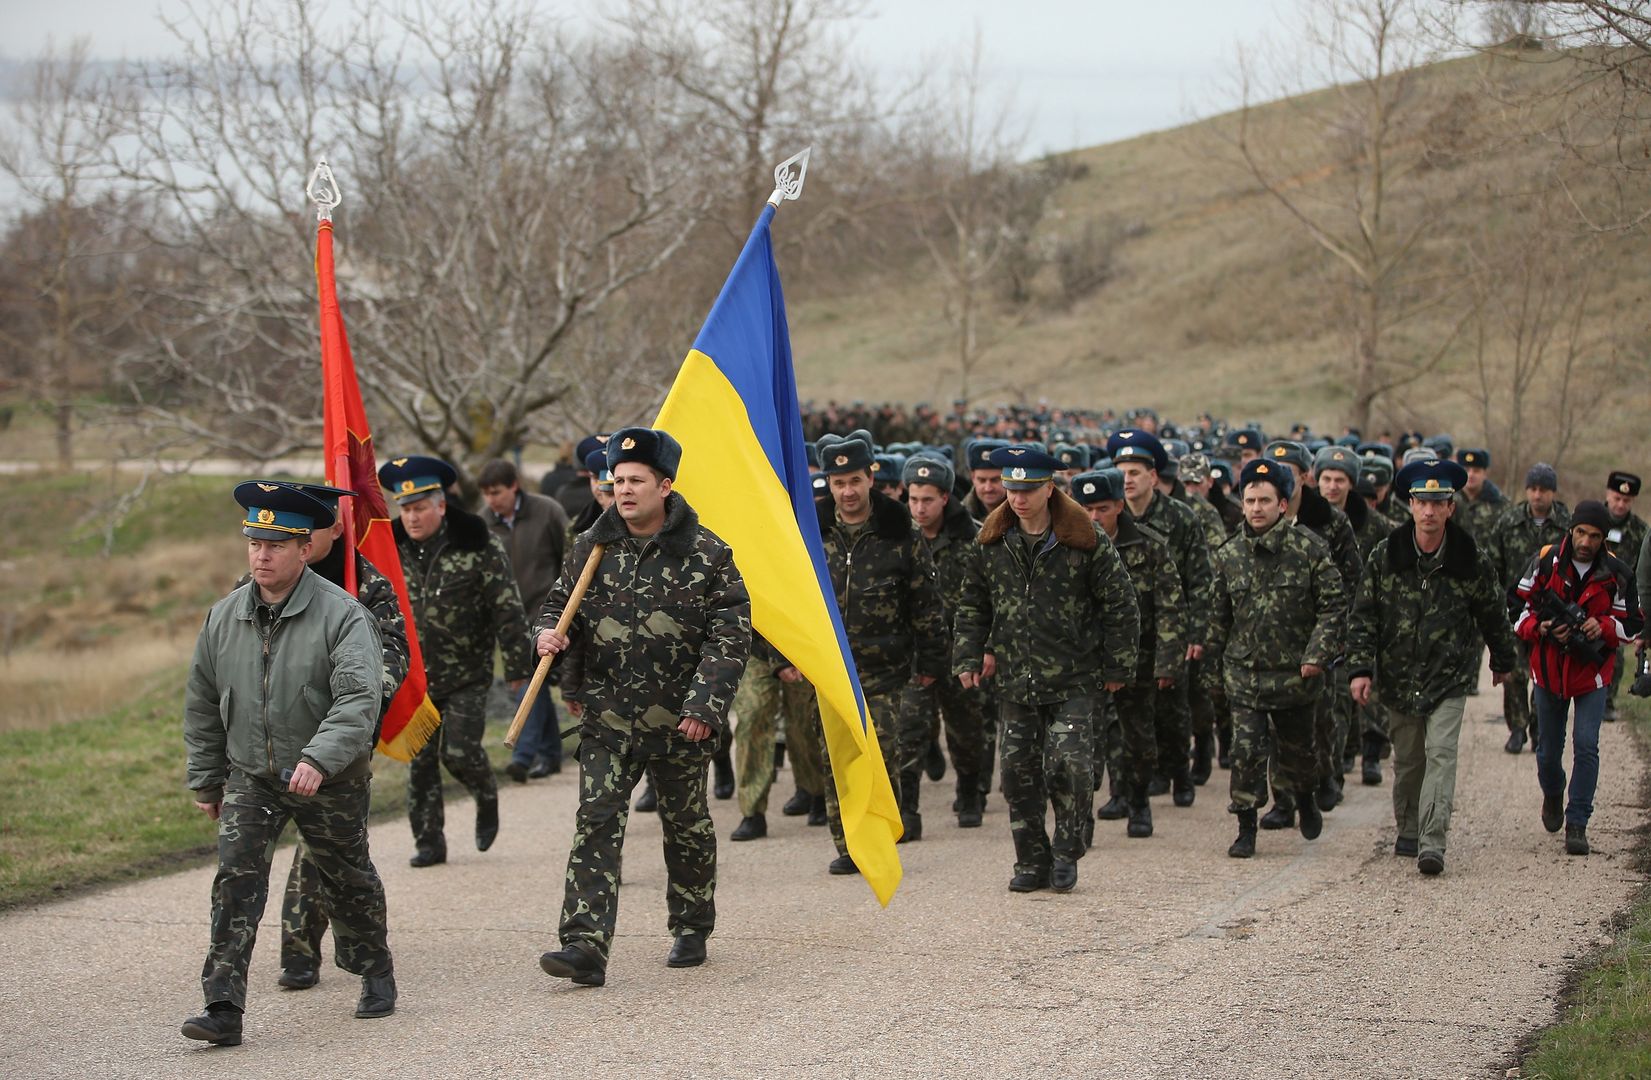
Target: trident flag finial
[787, 186]
[323, 191]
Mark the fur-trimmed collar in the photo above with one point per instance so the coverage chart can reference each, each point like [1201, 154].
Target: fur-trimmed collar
[890, 520]
[465, 531]
[957, 524]
[1071, 525]
[1357, 511]
[1461, 552]
[676, 537]
[1129, 531]
[1316, 512]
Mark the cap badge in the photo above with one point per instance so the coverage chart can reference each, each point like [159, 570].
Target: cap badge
[266, 517]
[407, 487]
[1017, 474]
[1623, 487]
[842, 459]
[1261, 468]
[399, 462]
[628, 444]
[1126, 434]
[1089, 489]
[1016, 452]
[1279, 451]
[269, 487]
[1432, 484]
[923, 470]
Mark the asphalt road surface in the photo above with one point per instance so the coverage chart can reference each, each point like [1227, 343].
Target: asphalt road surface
[1330, 958]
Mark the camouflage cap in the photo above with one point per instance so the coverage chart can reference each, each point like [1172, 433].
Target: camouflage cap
[1195, 467]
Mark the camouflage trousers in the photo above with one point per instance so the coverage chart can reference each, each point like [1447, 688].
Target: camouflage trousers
[611, 764]
[761, 704]
[1516, 692]
[457, 744]
[1201, 700]
[333, 823]
[1048, 759]
[303, 913]
[1172, 721]
[923, 711]
[1287, 736]
[804, 741]
[1127, 741]
[884, 708]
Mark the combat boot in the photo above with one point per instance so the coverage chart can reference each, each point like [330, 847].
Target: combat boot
[219, 1025]
[934, 762]
[688, 950]
[1140, 816]
[1158, 786]
[1328, 796]
[722, 772]
[842, 866]
[1029, 881]
[487, 821]
[753, 827]
[1553, 812]
[1115, 808]
[911, 827]
[1063, 876]
[428, 856]
[817, 811]
[1312, 819]
[576, 964]
[1516, 741]
[1203, 754]
[1372, 761]
[1185, 791]
[1576, 839]
[1280, 816]
[1244, 846]
[973, 806]
[378, 996]
[649, 802]
[303, 975]
[798, 804]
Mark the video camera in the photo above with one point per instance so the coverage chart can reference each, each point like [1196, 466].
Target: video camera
[1567, 613]
[1642, 675]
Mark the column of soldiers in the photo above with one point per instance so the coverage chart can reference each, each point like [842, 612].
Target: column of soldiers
[1117, 607]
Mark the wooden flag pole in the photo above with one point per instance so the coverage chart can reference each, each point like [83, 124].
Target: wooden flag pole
[575, 598]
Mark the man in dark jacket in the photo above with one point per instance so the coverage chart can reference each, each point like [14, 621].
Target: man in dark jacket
[534, 530]
[465, 602]
[1624, 539]
[282, 698]
[1482, 502]
[1573, 656]
[1428, 603]
[651, 665]
[892, 615]
[1049, 614]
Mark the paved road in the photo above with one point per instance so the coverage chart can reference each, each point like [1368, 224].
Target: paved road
[1331, 958]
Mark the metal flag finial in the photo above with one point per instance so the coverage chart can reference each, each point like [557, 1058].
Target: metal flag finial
[323, 191]
[787, 186]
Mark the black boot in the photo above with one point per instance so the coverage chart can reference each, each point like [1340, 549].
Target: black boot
[754, 827]
[1114, 809]
[971, 804]
[910, 819]
[1312, 819]
[1159, 785]
[1328, 796]
[817, 811]
[1203, 754]
[1516, 741]
[578, 965]
[934, 762]
[1185, 792]
[798, 804]
[378, 996]
[1372, 761]
[779, 756]
[219, 1025]
[487, 821]
[1140, 816]
[1224, 745]
[1576, 839]
[1281, 816]
[722, 772]
[1244, 846]
[428, 856]
[649, 802]
[1553, 812]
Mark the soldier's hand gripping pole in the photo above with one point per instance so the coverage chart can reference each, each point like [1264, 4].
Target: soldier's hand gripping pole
[575, 598]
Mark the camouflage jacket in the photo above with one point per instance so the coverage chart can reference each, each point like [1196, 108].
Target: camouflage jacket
[886, 594]
[1417, 630]
[378, 596]
[1625, 540]
[952, 551]
[1516, 539]
[1278, 604]
[465, 601]
[1185, 535]
[1333, 527]
[1479, 516]
[1369, 527]
[1215, 530]
[1158, 599]
[663, 632]
[1060, 626]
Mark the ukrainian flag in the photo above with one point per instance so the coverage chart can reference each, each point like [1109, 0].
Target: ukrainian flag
[734, 409]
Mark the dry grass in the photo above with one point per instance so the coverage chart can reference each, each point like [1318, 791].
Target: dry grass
[43, 686]
[1219, 303]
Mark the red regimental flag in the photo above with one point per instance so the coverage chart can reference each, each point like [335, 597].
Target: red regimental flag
[412, 717]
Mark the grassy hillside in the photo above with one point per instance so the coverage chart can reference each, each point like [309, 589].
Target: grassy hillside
[1220, 302]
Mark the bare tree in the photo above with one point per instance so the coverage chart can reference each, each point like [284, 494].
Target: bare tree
[1352, 189]
[64, 302]
[503, 187]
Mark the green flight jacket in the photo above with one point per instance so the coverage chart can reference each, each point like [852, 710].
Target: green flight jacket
[306, 689]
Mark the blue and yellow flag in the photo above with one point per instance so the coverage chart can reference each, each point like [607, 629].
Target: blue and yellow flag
[734, 409]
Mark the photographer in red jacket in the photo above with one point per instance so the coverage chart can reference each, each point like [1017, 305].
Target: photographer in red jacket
[1579, 607]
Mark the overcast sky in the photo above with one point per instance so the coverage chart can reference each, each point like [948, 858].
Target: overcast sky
[1083, 71]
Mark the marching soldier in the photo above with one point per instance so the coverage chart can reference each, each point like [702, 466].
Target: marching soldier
[1203, 691]
[1130, 742]
[652, 662]
[892, 615]
[1522, 532]
[283, 694]
[1139, 456]
[1429, 601]
[1482, 502]
[303, 906]
[1277, 620]
[464, 599]
[985, 482]
[1049, 613]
